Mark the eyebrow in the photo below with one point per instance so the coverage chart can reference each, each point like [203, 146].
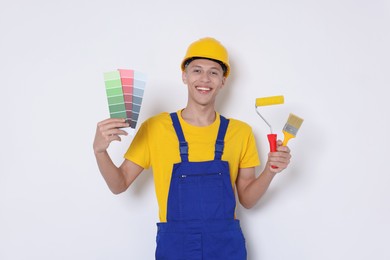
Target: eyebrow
[213, 67]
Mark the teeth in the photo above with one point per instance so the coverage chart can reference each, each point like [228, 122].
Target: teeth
[203, 88]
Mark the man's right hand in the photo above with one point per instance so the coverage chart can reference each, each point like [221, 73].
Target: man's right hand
[108, 131]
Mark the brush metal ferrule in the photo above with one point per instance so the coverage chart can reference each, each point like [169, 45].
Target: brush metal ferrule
[290, 129]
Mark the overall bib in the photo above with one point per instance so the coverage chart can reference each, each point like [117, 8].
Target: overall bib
[200, 210]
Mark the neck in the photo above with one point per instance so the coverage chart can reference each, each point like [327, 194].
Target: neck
[202, 116]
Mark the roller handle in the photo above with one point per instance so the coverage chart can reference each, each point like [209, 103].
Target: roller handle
[272, 144]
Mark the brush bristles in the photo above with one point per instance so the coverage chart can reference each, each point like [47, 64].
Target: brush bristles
[294, 120]
[293, 124]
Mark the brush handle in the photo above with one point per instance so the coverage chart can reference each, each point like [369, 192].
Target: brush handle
[272, 144]
[287, 137]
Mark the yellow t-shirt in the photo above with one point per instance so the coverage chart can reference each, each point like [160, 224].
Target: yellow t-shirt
[156, 145]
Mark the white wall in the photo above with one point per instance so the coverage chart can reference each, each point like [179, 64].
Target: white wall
[330, 59]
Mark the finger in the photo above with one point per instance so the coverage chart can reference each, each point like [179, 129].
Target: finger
[277, 166]
[279, 158]
[111, 120]
[282, 154]
[112, 125]
[276, 169]
[115, 138]
[284, 149]
[115, 131]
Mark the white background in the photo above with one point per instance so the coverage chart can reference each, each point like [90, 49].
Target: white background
[330, 59]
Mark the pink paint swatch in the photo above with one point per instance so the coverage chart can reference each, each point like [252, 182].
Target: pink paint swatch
[127, 79]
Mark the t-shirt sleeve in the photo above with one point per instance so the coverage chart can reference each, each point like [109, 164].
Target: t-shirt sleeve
[139, 149]
[250, 156]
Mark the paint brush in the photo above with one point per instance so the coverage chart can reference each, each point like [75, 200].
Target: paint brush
[291, 128]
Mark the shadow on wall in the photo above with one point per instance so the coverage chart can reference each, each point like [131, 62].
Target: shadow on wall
[140, 187]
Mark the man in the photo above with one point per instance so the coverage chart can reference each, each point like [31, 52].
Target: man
[200, 161]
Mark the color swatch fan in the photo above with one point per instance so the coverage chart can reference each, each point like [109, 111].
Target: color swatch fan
[125, 90]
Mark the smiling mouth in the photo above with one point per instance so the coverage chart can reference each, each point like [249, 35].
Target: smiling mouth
[203, 89]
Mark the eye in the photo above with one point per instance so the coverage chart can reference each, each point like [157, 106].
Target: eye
[214, 72]
[196, 70]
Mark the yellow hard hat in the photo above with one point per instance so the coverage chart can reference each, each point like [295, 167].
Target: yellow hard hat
[208, 48]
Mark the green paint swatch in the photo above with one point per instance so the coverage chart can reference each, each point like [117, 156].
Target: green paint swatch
[116, 102]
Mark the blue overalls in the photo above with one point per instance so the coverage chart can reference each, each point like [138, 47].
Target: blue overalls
[201, 202]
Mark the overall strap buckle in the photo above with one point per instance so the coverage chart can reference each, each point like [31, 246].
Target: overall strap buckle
[220, 143]
[183, 145]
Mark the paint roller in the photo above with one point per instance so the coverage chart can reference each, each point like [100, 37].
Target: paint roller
[269, 101]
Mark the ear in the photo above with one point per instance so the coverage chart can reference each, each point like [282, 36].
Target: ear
[184, 77]
[223, 82]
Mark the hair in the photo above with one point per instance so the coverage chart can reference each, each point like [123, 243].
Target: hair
[188, 61]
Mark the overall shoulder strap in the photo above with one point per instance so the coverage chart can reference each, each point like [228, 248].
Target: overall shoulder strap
[183, 145]
[220, 143]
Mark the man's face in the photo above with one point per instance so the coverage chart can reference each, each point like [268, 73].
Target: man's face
[204, 79]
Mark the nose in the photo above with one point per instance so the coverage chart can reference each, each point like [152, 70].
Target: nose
[205, 77]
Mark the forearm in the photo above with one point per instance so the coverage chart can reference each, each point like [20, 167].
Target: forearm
[111, 173]
[250, 188]
[256, 189]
